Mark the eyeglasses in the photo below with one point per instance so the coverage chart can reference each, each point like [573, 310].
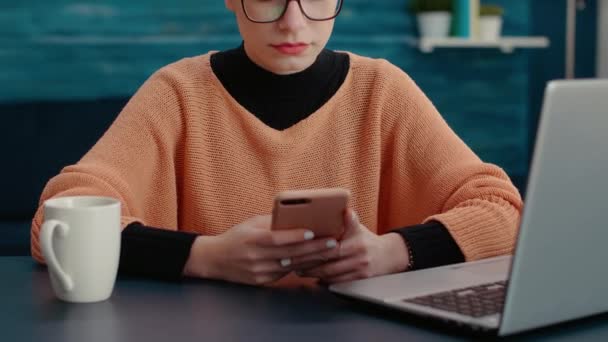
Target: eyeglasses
[268, 11]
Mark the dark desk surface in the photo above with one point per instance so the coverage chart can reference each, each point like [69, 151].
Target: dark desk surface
[144, 310]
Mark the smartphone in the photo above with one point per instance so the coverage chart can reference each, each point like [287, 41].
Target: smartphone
[319, 210]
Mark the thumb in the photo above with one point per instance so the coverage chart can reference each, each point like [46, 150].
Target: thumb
[261, 221]
[351, 223]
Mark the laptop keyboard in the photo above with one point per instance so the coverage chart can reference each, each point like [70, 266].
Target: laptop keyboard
[474, 301]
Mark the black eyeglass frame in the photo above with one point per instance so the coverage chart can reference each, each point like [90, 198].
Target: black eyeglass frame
[285, 10]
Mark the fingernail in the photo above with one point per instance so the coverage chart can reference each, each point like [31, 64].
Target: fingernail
[285, 262]
[309, 235]
[331, 244]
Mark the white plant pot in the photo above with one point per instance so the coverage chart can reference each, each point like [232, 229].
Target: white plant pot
[490, 27]
[434, 24]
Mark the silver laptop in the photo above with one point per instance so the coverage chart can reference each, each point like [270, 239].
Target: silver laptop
[558, 270]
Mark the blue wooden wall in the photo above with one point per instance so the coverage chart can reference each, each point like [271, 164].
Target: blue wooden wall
[71, 50]
[551, 63]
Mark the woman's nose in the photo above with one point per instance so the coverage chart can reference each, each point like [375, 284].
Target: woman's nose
[293, 19]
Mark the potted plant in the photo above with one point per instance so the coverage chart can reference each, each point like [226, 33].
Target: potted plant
[490, 22]
[434, 17]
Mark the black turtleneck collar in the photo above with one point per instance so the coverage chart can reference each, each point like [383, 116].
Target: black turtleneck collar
[280, 101]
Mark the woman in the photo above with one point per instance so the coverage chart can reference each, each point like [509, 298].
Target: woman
[198, 154]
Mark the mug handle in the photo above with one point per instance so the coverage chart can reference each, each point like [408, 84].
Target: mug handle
[46, 243]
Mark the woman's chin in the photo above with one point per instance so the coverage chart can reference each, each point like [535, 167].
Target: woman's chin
[291, 65]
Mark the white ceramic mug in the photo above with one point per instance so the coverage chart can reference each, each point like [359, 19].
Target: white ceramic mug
[80, 241]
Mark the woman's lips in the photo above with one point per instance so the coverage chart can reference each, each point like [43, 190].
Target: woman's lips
[291, 49]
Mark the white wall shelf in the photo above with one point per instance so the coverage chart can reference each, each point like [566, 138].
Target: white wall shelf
[505, 44]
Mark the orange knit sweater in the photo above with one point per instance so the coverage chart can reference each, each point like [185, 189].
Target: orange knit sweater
[183, 154]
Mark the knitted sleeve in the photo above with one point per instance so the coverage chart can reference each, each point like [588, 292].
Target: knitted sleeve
[446, 181]
[135, 161]
[430, 245]
[153, 252]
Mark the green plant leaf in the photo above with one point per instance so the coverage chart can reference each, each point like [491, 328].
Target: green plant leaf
[488, 9]
[418, 6]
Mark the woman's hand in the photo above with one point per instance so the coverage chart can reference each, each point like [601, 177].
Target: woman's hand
[251, 253]
[360, 254]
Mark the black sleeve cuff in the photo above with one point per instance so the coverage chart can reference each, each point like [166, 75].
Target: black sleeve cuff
[154, 253]
[430, 245]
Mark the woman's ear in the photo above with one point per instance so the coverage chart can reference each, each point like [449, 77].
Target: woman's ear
[229, 5]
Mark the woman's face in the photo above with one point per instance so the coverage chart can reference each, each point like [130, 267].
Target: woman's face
[286, 46]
